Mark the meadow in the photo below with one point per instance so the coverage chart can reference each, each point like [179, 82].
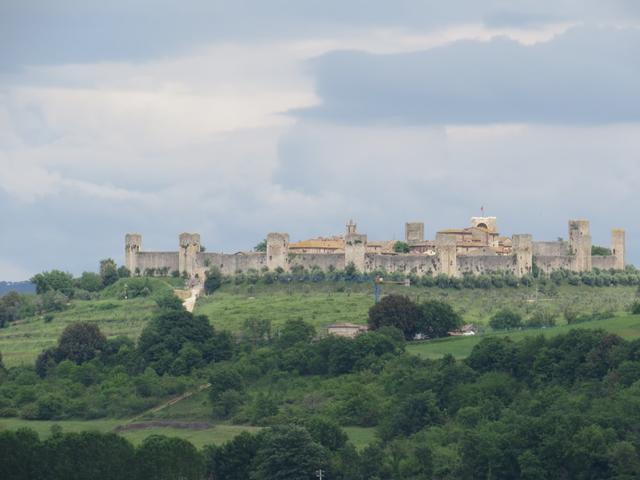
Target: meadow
[319, 304]
[325, 303]
[216, 434]
[625, 325]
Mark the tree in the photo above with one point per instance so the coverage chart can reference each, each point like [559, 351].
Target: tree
[505, 319]
[55, 280]
[288, 453]
[261, 246]
[327, 433]
[401, 247]
[164, 458]
[1, 364]
[213, 280]
[78, 456]
[12, 306]
[223, 378]
[438, 319]
[396, 311]
[162, 340]
[232, 460]
[123, 272]
[89, 281]
[108, 272]
[493, 353]
[295, 331]
[600, 251]
[80, 342]
[168, 301]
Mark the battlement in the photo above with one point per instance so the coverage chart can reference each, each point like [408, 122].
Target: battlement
[476, 249]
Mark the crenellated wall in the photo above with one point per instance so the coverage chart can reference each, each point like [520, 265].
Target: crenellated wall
[479, 264]
[574, 255]
[548, 264]
[603, 262]
[418, 264]
[146, 260]
[323, 261]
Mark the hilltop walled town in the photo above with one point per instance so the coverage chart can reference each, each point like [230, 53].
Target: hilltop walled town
[476, 249]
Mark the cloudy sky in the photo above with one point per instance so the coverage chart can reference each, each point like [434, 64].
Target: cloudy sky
[236, 118]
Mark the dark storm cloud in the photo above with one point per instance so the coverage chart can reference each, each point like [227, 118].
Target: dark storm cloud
[585, 76]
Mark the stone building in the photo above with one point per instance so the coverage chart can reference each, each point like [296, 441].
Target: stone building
[476, 249]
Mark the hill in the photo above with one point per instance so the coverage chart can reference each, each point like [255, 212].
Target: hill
[319, 304]
[20, 287]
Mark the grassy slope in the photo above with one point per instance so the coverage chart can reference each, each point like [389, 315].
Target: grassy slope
[320, 304]
[21, 343]
[627, 326]
[217, 434]
[323, 304]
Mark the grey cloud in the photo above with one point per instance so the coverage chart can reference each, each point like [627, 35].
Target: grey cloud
[584, 76]
[66, 31]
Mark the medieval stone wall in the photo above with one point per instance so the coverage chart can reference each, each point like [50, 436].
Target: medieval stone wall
[323, 261]
[417, 264]
[550, 249]
[156, 260]
[604, 262]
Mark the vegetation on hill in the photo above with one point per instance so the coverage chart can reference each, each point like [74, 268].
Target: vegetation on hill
[507, 404]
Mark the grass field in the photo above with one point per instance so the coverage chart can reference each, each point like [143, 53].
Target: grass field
[21, 343]
[325, 303]
[627, 326]
[319, 304]
[216, 435]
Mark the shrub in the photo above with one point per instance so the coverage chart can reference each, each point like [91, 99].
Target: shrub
[635, 308]
[505, 319]
[213, 280]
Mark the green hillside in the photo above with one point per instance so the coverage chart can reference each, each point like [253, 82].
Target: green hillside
[318, 304]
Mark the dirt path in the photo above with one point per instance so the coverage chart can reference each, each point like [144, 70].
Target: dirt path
[166, 404]
[190, 303]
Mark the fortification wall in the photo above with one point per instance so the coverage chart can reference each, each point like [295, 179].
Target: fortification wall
[548, 264]
[145, 260]
[418, 264]
[479, 264]
[550, 249]
[603, 262]
[324, 261]
[229, 264]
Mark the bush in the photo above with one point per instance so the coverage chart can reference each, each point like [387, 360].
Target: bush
[635, 308]
[505, 320]
[213, 280]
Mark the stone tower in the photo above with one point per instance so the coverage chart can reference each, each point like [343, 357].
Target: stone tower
[189, 249]
[414, 232]
[523, 251]
[488, 223]
[278, 251]
[580, 245]
[446, 250]
[618, 247]
[132, 245]
[355, 248]
[351, 227]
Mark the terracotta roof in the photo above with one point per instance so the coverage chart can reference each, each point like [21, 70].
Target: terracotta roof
[327, 244]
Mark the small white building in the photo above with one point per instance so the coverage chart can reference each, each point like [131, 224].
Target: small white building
[349, 330]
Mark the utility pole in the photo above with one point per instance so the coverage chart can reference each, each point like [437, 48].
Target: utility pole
[320, 474]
